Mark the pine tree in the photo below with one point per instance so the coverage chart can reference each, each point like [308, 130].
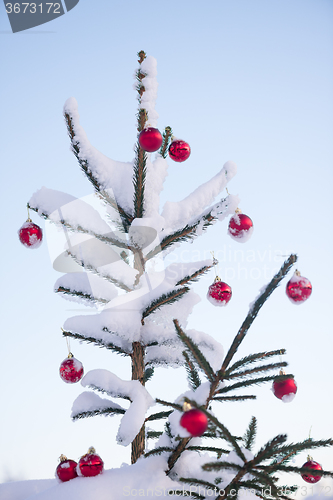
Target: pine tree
[143, 313]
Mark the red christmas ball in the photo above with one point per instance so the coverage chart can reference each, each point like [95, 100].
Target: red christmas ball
[194, 421]
[240, 227]
[219, 293]
[309, 478]
[179, 150]
[150, 139]
[30, 235]
[66, 470]
[90, 464]
[298, 288]
[285, 389]
[71, 370]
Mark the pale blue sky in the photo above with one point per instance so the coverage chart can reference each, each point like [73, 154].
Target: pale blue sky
[249, 81]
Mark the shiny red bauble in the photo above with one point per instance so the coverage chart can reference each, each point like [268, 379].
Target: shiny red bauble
[219, 293]
[71, 370]
[298, 288]
[240, 227]
[285, 389]
[309, 478]
[30, 235]
[150, 139]
[179, 150]
[66, 470]
[194, 421]
[90, 464]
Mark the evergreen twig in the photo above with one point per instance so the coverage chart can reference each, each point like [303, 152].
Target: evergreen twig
[234, 398]
[257, 369]
[158, 416]
[96, 342]
[80, 295]
[84, 164]
[189, 232]
[252, 358]
[254, 381]
[250, 434]
[195, 351]
[98, 411]
[254, 310]
[166, 298]
[194, 276]
[192, 374]
[92, 269]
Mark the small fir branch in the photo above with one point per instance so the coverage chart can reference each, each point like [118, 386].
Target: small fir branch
[195, 351]
[250, 434]
[167, 134]
[182, 235]
[192, 374]
[223, 430]
[105, 238]
[219, 451]
[256, 381]
[195, 276]
[149, 372]
[139, 179]
[166, 403]
[167, 298]
[111, 394]
[101, 411]
[96, 342]
[142, 56]
[234, 398]
[158, 416]
[307, 444]
[262, 368]
[158, 451]
[252, 358]
[126, 217]
[153, 434]
[81, 295]
[299, 470]
[254, 310]
[189, 232]
[270, 449]
[220, 465]
[93, 270]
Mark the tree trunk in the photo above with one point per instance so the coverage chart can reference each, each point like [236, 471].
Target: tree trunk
[138, 371]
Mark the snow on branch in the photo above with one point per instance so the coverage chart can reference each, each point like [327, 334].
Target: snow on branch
[86, 288]
[177, 214]
[101, 259]
[105, 174]
[141, 400]
[89, 404]
[196, 226]
[148, 98]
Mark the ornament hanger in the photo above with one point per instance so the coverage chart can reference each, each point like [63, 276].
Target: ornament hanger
[216, 267]
[28, 219]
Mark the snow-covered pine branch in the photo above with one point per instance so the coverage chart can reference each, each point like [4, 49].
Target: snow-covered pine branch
[132, 390]
[107, 176]
[85, 288]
